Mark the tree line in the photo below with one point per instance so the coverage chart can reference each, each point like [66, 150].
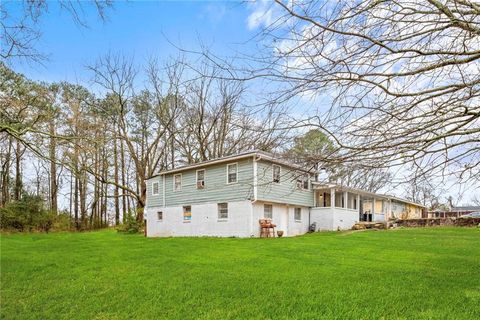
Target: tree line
[99, 149]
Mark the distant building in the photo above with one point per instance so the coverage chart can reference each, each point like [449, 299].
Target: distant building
[227, 196]
[466, 209]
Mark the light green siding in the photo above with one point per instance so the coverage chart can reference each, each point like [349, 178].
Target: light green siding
[216, 187]
[284, 192]
[155, 200]
[217, 190]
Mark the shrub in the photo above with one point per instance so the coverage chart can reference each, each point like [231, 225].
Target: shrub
[26, 214]
[131, 225]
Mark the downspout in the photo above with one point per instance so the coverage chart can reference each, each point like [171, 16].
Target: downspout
[163, 178]
[255, 191]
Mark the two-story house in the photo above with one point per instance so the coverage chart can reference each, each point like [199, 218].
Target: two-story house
[227, 197]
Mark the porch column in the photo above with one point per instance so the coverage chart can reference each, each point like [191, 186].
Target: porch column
[358, 203]
[389, 212]
[373, 208]
[332, 197]
[345, 199]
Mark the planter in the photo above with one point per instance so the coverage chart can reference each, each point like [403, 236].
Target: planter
[279, 233]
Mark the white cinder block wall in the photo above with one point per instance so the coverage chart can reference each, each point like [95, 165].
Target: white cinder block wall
[298, 227]
[283, 216]
[328, 219]
[243, 220]
[204, 221]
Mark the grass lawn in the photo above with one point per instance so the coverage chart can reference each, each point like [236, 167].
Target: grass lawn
[401, 274]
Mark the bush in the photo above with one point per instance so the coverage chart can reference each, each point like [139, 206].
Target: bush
[26, 214]
[131, 225]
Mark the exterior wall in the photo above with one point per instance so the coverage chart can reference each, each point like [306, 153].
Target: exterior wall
[332, 219]
[380, 206]
[403, 210]
[296, 228]
[204, 221]
[284, 217]
[323, 217]
[216, 187]
[286, 191]
[155, 200]
[414, 212]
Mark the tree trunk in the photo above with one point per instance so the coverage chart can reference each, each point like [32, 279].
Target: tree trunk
[115, 174]
[18, 172]
[6, 175]
[75, 205]
[53, 169]
[122, 167]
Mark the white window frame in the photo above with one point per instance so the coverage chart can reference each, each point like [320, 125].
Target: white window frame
[218, 211]
[295, 212]
[153, 188]
[160, 212]
[196, 178]
[236, 172]
[279, 173]
[265, 205]
[180, 189]
[183, 213]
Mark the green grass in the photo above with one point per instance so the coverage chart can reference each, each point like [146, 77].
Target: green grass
[402, 274]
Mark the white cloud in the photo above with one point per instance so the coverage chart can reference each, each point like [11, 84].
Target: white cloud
[214, 12]
[261, 15]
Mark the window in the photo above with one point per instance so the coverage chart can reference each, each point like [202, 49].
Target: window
[222, 211]
[276, 173]
[267, 211]
[298, 214]
[155, 188]
[187, 213]
[232, 171]
[160, 216]
[201, 179]
[177, 182]
[302, 181]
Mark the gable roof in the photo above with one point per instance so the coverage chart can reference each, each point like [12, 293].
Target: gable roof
[247, 154]
[466, 208]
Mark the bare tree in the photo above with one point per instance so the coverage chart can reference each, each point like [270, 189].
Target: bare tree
[20, 28]
[404, 77]
[139, 120]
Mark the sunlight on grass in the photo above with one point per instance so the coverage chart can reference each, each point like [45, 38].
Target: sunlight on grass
[401, 274]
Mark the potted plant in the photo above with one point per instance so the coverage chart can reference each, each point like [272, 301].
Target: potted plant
[279, 233]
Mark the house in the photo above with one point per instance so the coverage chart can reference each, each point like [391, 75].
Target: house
[454, 212]
[227, 196]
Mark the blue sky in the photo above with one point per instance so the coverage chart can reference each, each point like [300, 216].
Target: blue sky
[138, 28]
[143, 29]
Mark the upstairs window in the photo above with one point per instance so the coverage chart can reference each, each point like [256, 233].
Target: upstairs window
[298, 214]
[276, 173]
[177, 182]
[267, 211]
[232, 172]
[187, 213]
[201, 179]
[302, 181]
[222, 211]
[155, 189]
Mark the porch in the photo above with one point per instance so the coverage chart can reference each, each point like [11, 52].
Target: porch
[338, 208]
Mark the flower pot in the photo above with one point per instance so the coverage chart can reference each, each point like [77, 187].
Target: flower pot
[279, 233]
